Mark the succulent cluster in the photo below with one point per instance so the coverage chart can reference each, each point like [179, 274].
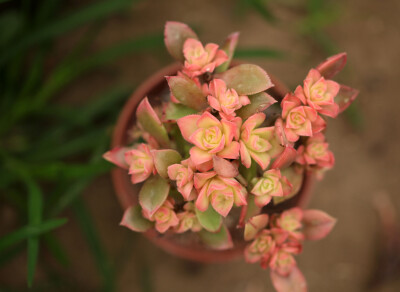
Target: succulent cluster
[222, 142]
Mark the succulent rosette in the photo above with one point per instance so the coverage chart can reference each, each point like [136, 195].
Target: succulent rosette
[213, 158]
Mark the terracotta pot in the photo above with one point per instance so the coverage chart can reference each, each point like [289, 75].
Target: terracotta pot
[127, 192]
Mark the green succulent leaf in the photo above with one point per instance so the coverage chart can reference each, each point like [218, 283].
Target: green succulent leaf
[295, 178]
[163, 159]
[258, 103]
[175, 35]
[218, 240]
[133, 219]
[209, 219]
[246, 79]
[150, 123]
[176, 111]
[187, 92]
[153, 194]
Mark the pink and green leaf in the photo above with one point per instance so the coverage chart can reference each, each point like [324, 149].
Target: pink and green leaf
[224, 167]
[134, 220]
[163, 159]
[187, 92]
[229, 48]
[285, 159]
[175, 111]
[175, 35]
[150, 123]
[332, 66]
[345, 97]
[317, 224]
[209, 219]
[220, 240]
[254, 225]
[258, 103]
[153, 194]
[246, 79]
[295, 177]
[294, 282]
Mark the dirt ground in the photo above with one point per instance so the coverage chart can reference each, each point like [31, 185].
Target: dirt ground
[367, 159]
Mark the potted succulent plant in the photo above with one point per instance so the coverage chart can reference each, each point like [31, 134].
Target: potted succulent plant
[217, 157]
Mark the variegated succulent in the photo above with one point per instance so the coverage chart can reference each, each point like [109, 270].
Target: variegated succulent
[215, 146]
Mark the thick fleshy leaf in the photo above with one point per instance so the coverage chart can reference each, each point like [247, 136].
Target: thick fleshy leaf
[153, 194]
[246, 79]
[294, 282]
[254, 225]
[209, 219]
[150, 123]
[187, 92]
[163, 159]
[175, 111]
[258, 103]
[317, 224]
[175, 35]
[134, 220]
[224, 168]
[229, 48]
[332, 66]
[345, 97]
[285, 159]
[117, 156]
[280, 132]
[252, 208]
[220, 240]
[295, 178]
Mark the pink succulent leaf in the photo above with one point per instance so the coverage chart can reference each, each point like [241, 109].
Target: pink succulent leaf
[117, 156]
[153, 194]
[150, 123]
[210, 220]
[290, 220]
[220, 240]
[300, 120]
[199, 59]
[333, 65]
[261, 248]
[229, 48]
[224, 167]
[133, 219]
[187, 92]
[188, 220]
[345, 97]
[175, 111]
[183, 175]
[256, 142]
[315, 153]
[210, 137]
[294, 175]
[294, 282]
[163, 159]
[271, 184]
[188, 125]
[317, 224]
[280, 132]
[222, 202]
[285, 159]
[224, 99]
[258, 102]
[246, 79]
[282, 261]
[164, 217]
[319, 93]
[254, 225]
[141, 163]
[175, 35]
